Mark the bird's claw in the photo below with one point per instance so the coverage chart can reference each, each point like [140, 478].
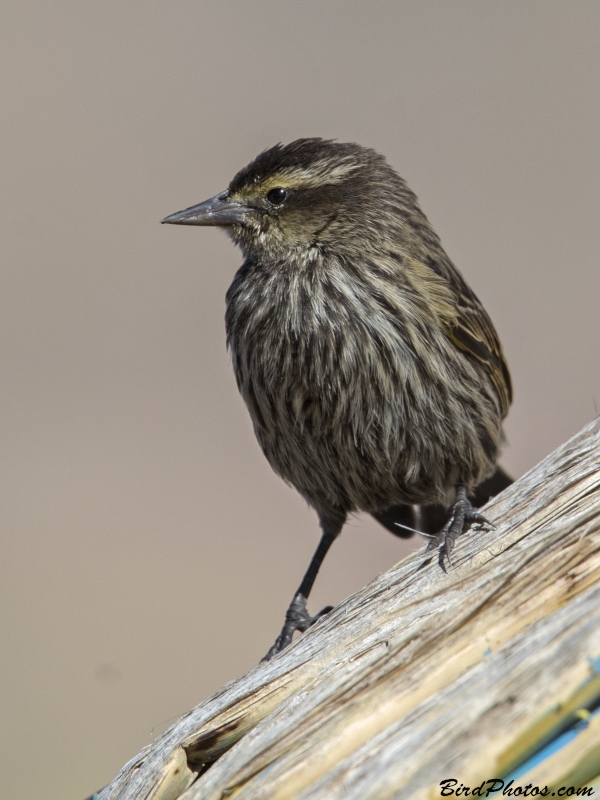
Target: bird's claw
[297, 618]
[463, 514]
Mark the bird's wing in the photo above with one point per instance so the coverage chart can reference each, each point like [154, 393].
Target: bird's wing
[466, 322]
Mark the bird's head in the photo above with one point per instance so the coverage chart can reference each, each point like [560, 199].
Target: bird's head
[310, 195]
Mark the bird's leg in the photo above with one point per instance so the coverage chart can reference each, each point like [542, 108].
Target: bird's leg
[297, 617]
[462, 515]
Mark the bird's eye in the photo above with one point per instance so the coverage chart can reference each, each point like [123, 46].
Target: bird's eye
[277, 196]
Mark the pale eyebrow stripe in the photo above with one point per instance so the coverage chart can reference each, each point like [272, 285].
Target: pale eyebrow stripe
[319, 173]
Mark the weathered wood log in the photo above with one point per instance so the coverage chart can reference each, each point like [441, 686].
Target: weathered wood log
[423, 675]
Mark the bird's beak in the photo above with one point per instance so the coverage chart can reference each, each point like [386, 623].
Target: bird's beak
[216, 211]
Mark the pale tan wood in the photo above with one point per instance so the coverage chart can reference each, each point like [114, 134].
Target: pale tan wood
[422, 675]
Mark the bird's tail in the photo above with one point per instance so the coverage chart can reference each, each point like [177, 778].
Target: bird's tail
[432, 518]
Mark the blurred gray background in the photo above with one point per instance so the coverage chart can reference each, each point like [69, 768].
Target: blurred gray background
[147, 550]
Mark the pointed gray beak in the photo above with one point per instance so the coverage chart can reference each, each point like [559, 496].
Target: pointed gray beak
[216, 211]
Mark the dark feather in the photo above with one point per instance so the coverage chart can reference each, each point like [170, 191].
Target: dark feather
[473, 332]
[431, 518]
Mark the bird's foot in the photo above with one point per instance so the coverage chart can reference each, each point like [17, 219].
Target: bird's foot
[462, 515]
[297, 618]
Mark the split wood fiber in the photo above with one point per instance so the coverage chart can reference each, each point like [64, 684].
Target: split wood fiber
[422, 675]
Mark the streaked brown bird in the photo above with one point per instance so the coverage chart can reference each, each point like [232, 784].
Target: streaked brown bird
[373, 375]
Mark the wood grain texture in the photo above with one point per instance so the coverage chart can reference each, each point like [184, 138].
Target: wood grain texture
[422, 675]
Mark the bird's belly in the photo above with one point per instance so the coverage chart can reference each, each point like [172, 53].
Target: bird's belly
[371, 425]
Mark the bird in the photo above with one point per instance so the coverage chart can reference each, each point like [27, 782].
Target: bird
[374, 377]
